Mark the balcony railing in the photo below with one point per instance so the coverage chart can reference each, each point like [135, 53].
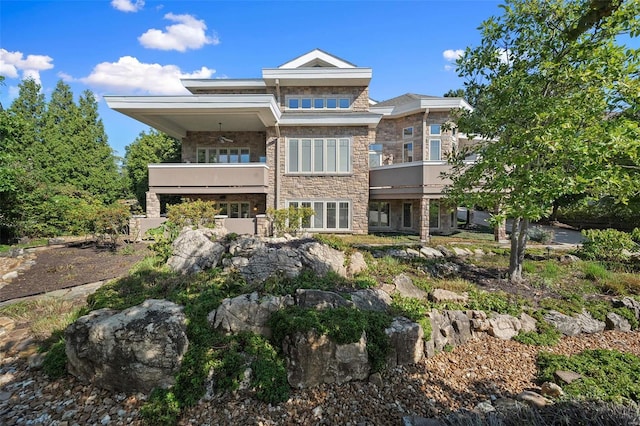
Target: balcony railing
[408, 179]
[244, 178]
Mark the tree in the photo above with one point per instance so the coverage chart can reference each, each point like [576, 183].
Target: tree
[556, 108]
[454, 93]
[152, 147]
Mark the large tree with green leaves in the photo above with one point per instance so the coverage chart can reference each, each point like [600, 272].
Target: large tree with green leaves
[148, 148]
[556, 95]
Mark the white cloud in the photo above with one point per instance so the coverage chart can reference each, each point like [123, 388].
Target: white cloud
[188, 33]
[127, 5]
[12, 63]
[504, 55]
[452, 55]
[130, 76]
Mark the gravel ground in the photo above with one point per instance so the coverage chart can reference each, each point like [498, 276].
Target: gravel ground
[481, 370]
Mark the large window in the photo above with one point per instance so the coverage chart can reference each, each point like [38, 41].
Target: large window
[375, 155]
[223, 155]
[328, 215]
[328, 102]
[238, 209]
[434, 150]
[407, 213]
[434, 214]
[435, 129]
[407, 152]
[378, 214]
[319, 155]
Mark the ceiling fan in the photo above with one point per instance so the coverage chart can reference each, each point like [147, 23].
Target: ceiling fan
[221, 138]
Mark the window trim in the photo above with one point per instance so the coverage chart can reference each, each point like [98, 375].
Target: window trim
[324, 228]
[407, 135]
[439, 150]
[325, 156]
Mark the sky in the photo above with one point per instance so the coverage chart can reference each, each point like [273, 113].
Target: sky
[144, 47]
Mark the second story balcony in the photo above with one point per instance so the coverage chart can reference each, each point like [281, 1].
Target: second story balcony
[242, 178]
[408, 180]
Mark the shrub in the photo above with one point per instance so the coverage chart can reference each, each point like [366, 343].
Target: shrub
[608, 375]
[605, 244]
[289, 220]
[635, 235]
[540, 235]
[162, 409]
[110, 223]
[55, 361]
[193, 213]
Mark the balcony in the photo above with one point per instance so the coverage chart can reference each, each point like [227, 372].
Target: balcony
[408, 180]
[244, 178]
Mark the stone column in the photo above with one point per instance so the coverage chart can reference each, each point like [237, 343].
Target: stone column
[424, 220]
[153, 204]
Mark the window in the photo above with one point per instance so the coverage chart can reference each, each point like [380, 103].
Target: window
[407, 152]
[223, 155]
[319, 155]
[407, 132]
[434, 129]
[328, 215]
[319, 102]
[375, 155]
[454, 218]
[238, 209]
[378, 214]
[406, 215]
[434, 150]
[434, 214]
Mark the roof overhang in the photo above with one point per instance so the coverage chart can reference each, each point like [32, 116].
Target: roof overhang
[175, 115]
[202, 85]
[317, 76]
[422, 105]
[329, 119]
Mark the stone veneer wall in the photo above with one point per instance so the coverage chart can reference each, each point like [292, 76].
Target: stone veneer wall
[255, 141]
[359, 95]
[353, 187]
[389, 133]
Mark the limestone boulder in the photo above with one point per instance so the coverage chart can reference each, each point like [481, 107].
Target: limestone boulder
[138, 349]
[245, 246]
[504, 326]
[320, 299]
[440, 295]
[628, 303]
[574, 325]
[270, 261]
[357, 263]
[406, 342]
[617, 322]
[405, 287]
[371, 300]
[322, 259]
[194, 251]
[247, 312]
[313, 359]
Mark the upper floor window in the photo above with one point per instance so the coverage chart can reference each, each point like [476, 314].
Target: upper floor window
[435, 129]
[407, 152]
[223, 155]
[329, 155]
[407, 132]
[434, 150]
[318, 102]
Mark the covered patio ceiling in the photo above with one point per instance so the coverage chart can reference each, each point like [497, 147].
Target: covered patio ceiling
[175, 115]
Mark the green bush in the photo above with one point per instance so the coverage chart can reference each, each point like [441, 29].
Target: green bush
[635, 235]
[55, 361]
[193, 213]
[162, 409]
[606, 244]
[608, 375]
[289, 220]
[414, 309]
[540, 235]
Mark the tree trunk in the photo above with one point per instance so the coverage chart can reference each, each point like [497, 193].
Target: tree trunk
[518, 246]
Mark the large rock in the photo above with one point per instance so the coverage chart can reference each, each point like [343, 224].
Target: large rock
[193, 251]
[320, 299]
[504, 326]
[617, 322]
[630, 304]
[247, 312]
[405, 287]
[322, 259]
[313, 359]
[138, 349]
[245, 245]
[371, 300]
[449, 328]
[406, 342]
[267, 262]
[357, 263]
[439, 295]
[572, 326]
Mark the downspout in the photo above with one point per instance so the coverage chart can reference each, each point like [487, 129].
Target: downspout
[276, 177]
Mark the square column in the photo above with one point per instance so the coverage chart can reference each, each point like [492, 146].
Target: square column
[153, 204]
[424, 220]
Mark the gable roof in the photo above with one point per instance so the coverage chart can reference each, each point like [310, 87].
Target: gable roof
[403, 99]
[317, 58]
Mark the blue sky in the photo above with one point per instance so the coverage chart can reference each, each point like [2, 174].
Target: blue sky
[124, 47]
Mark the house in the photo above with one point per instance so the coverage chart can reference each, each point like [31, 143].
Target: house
[305, 134]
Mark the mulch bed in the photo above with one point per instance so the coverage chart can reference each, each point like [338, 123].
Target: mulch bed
[70, 266]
